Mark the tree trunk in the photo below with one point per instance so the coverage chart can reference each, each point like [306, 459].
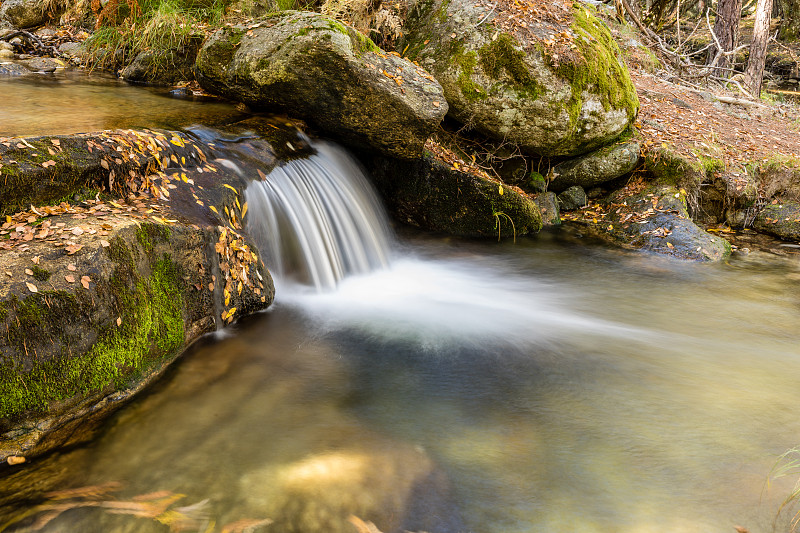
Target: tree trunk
[726, 28]
[754, 74]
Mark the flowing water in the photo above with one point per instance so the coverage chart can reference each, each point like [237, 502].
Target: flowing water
[425, 383]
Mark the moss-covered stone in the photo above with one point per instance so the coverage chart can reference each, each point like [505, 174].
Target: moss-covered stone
[315, 68]
[429, 194]
[511, 86]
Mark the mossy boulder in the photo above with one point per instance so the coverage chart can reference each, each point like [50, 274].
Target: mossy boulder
[781, 219]
[99, 294]
[515, 85]
[430, 194]
[328, 74]
[23, 14]
[596, 168]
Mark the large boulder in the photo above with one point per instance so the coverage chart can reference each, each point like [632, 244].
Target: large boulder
[555, 87]
[430, 194]
[23, 14]
[328, 74]
[99, 294]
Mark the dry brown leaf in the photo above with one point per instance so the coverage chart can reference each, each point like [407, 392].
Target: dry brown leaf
[72, 267]
[31, 287]
[70, 278]
[29, 272]
[85, 281]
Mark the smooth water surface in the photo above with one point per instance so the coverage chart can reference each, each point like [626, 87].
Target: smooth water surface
[76, 102]
[542, 386]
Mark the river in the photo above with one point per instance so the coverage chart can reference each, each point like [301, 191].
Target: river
[550, 384]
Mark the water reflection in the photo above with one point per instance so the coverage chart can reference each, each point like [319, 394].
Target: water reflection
[623, 393]
[76, 102]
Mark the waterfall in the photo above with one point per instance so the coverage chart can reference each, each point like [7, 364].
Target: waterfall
[318, 220]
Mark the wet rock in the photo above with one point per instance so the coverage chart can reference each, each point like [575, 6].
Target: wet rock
[328, 74]
[548, 207]
[503, 81]
[7, 54]
[572, 198]
[781, 219]
[429, 194]
[97, 298]
[600, 166]
[656, 220]
[42, 64]
[13, 69]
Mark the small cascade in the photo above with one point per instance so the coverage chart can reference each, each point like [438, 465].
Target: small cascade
[317, 220]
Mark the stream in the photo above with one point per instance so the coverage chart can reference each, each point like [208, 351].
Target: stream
[550, 384]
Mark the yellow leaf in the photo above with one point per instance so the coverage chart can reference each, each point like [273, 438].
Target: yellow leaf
[213, 209]
[231, 188]
[177, 141]
[500, 190]
[244, 210]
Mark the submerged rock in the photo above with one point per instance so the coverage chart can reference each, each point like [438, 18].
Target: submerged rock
[519, 85]
[429, 194]
[328, 74]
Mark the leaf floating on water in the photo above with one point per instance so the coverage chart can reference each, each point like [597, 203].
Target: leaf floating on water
[31, 287]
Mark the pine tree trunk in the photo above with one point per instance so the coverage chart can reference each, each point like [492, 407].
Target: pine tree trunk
[726, 28]
[754, 74]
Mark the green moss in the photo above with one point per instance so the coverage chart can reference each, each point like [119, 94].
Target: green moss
[362, 44]
[148, 234]
[467, 63]
[151, 328]
[503, 56]
[40, 273]
[599, 68]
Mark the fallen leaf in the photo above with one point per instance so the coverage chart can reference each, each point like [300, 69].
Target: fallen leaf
[104, 243]
[31, 287]
[71, 249]
[15, 460]
[119, 321]
[85, 281]
[70, 278]
[36, 259]
[72, 267]
[29, 272]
